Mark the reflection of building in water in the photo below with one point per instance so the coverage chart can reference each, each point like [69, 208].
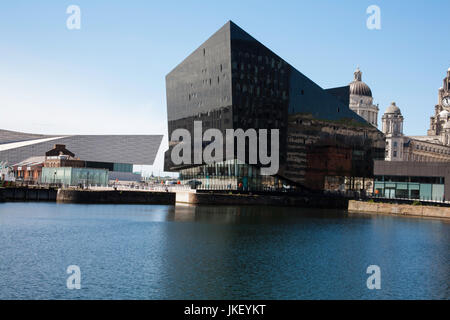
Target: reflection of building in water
[182, 212]
[222, 214]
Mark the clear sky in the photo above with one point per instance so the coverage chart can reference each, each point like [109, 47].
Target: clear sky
[108, 77]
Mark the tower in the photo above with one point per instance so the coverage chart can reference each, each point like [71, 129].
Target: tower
[393, 130]
[442, 109]
[361, 100]
[446, 134]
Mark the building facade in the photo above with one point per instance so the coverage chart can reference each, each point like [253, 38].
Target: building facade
[29, 170]
[232, 81]
[428, 181]
[69, 176]
[6, 173]
[361, 100]
[434, 147]
[59, 156]
[62, 167]
[441, 118]
[120, 149]
[392, 127]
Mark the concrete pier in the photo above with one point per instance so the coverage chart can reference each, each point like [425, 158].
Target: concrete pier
[115, 197]
[171, 198]
[305, 201]
[399, 209]
[27, 194]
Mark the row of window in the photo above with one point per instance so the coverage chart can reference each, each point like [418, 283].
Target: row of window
[220, 68]
[274, 63]
[421, 158]
[432, 149]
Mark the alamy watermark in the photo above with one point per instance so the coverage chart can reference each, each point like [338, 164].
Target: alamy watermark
[213, 151]
[73, 22]
[74, 280]
[374, 20]
[374, 280]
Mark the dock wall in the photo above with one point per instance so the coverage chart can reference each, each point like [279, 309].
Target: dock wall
[399, 209]
[246, 199]
[27, 194]
[115, 197]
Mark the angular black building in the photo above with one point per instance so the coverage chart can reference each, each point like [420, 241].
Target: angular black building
[233, 81]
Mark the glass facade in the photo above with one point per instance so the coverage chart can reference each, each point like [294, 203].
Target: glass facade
[123, 167]
[420, 188]
[232, 81]
[118, 167]
[68, 176]
[231, 175]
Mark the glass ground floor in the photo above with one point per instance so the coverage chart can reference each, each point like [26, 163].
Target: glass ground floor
[420, 188]
[68, 176]
[231, 175]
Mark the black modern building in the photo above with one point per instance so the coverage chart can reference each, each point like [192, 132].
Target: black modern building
[232, 81]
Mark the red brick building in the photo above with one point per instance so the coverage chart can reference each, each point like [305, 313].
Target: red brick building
[59, 156]
[325, 162]
[29, 170]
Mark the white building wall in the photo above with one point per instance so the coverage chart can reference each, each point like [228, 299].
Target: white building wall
[132, 149]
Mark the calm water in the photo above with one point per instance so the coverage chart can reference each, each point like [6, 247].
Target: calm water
[167, 252]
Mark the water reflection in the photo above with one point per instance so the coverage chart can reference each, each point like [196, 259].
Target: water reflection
[249, 214]
[218, 252]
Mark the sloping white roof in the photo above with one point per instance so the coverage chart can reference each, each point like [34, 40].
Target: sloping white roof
[14, 145]
[130, 149]
[31, 161]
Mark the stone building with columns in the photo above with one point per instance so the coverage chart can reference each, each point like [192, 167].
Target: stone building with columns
[441, 112]
[434, 147]
[361, 100]
[392, 127]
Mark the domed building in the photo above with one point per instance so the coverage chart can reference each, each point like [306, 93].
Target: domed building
[361, 100]
[416, 167]
[393, 130]
[434, 147]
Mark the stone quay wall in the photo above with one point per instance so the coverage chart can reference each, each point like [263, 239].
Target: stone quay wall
[399, 209]
[310, 201]
[27, 194]
[115, 197]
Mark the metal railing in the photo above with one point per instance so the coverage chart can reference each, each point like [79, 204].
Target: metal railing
[423, 199]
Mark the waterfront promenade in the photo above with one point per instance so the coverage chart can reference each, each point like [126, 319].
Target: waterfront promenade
[182, 195]
[416, 210]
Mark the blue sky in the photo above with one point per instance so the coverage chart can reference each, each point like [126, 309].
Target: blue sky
[108, 77]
